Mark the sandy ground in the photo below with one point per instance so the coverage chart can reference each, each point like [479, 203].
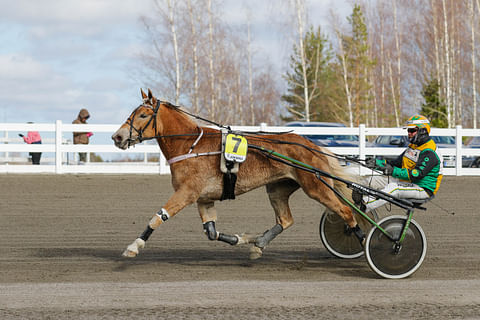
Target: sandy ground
[61, 238]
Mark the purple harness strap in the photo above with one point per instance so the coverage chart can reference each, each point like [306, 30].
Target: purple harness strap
[193, 155]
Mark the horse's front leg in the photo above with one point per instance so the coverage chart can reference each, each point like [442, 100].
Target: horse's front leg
[208, 214]
[179, 200]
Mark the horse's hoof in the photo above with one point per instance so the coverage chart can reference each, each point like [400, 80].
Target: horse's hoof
[129, 254]
[132, 250]
[255, 253]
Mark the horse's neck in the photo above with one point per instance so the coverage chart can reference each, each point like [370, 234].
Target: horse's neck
[174, 123]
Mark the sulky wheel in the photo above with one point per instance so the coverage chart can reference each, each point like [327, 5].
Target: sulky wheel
[390, 260]
[338, 238]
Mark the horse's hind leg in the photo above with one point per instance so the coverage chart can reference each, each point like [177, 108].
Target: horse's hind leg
[278, 193]
[317, 190]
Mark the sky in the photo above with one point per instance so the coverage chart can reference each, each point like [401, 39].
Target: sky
[58, 56]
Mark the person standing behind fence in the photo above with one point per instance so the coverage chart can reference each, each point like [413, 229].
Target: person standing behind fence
[33, 137]
[82, 137]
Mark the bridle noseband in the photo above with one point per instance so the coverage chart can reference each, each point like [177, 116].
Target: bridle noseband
[140, 132]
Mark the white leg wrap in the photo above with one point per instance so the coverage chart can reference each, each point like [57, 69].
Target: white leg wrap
[132, 249]
[240, 240]
[245, 238]
[159, 218]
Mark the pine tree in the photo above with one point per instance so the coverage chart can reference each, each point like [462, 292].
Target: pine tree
[359, 65]
[434, 108]
[323, 81]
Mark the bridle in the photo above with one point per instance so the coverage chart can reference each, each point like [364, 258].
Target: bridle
[153, 118]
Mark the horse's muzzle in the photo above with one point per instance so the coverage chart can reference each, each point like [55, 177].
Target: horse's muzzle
[121, 138]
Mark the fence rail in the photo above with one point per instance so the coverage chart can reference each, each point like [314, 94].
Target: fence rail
[61, 148]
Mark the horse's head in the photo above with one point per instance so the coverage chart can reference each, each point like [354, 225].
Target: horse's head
[141, 125]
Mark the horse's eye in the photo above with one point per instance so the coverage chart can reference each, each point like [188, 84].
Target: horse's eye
[143, 116]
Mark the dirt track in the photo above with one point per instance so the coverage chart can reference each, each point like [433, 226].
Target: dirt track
[61, 238]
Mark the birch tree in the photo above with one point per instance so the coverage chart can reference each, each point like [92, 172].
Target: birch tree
[471, 5]
[195, 102]
[343, 61]
[171, 21]
[398, 48]
[211, 60]
[447, 65]
[300, 10]
[250, 75]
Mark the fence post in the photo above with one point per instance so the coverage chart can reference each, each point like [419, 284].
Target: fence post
[458, 147]
[58, 146]
[164, 169]
[6, 141]
[361, 146]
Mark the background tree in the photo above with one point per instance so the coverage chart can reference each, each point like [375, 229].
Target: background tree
[197, 60]
[374, 73]
[323, 83]
[434, 108]
[357, 65]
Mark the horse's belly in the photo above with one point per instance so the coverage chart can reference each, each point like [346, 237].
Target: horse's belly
[248, 183]
[213, 188]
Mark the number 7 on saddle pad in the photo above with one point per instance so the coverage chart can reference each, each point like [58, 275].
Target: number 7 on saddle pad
[235, 148]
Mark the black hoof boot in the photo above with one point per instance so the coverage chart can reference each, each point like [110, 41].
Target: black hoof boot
[357, 197]
[359, 234]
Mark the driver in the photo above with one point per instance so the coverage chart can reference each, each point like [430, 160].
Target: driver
[417, 172]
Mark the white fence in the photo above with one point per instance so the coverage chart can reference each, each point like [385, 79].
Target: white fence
[64, 153]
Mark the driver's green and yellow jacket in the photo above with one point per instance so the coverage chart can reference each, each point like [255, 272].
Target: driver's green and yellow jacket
[422, 165]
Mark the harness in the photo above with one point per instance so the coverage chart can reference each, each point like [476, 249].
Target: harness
[189, 154]
[229, 164]
[229, 161]
[192, 155]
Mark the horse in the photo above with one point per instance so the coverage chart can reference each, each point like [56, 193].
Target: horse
[197, 178]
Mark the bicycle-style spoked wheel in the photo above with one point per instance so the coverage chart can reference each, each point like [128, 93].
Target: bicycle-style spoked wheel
[389, 259]
[338, 238]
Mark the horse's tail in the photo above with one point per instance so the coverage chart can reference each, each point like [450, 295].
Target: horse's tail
[349, 173]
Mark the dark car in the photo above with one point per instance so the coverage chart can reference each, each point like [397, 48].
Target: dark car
[327, 140]
[402, 141]
[474, 160]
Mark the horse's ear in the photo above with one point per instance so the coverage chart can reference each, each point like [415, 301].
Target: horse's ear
[144, 96]
[151, 98]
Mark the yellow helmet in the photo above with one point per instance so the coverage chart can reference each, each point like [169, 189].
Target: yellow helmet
[418, 121]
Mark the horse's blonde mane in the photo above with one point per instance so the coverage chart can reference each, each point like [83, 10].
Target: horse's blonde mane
[186, 119]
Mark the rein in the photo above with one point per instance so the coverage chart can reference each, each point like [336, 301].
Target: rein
[188, 155]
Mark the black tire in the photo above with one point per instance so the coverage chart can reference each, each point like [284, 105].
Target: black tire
[388, 261]
[338, 239]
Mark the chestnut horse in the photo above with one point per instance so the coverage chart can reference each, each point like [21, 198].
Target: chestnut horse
[196, 176]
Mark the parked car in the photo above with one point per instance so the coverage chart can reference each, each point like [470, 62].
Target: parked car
[402, 142]
[327, 140]
[474, 160]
